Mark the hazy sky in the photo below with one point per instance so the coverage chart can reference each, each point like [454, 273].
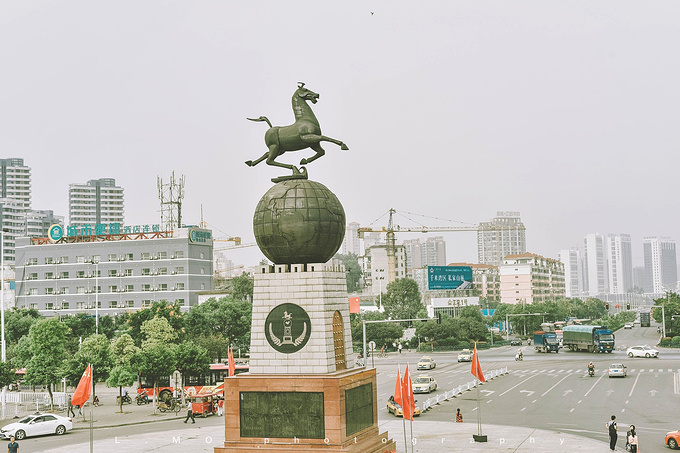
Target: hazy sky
[566, 111]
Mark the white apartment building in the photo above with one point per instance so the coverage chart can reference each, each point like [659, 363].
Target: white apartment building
[99, 201]
[504, 235]
[619, 263]
[15, 178]
[529, 278]
[573, 272]
[376, 274]
[430, 253]
[661, 270]
[351, 243]
[595, 269]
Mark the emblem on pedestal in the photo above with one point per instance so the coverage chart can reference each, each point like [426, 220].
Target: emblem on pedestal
[287, 328]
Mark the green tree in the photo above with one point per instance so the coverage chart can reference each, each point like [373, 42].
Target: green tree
[48, 352]
[157, 331]
[155, 361]
[353, 271]
[242, 287]
[381, 333]
[7, 375]
[123, 349]
[121, 376]
[18, 322]
[159, 309]
[671, 304]
[402, 299]
[225, 322]
[22, 353]
[80, 325]
[192, 359]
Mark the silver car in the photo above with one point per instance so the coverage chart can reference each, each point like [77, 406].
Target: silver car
[617, 370]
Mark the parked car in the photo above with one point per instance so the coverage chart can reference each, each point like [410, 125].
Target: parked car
[515, 342]
[465, 356]
[424, 384]
[36, 425]
[628, 325]
[394, 408]
[617, 370]
[673, 439]
[427, 363]
[642, 351]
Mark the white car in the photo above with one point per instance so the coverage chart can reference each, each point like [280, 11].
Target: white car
[628, 325]
[424, 384]
[465, 356]
[36, 425]
[617, 370]
[642, 351]
[427, 363]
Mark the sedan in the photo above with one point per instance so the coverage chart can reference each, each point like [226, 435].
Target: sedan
[465, 356]
[427, 363]
[36, 425]
[673, 439]
[642, 351]
[617, 370]
[424, 384]
[628, 325]
[515, 342]
[394, 408]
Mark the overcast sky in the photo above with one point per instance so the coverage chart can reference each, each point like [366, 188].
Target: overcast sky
[566, 111]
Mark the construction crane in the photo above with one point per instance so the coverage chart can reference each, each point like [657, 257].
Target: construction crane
[390, 239]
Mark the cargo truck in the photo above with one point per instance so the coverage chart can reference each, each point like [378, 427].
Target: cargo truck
[588, 338]
[644, 319]
[546, 341]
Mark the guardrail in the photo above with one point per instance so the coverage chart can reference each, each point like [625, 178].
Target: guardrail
[460, 389]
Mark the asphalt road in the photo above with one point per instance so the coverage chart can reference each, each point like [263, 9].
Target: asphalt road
[554, 391]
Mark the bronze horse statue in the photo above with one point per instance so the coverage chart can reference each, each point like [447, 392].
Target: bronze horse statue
[304, 133]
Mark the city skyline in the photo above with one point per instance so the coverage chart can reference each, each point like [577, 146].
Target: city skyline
[562, 112]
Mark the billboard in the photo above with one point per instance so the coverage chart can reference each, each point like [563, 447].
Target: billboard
[448, 277]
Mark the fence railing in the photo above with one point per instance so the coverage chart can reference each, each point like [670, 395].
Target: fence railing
[20, 403]
[461, 388]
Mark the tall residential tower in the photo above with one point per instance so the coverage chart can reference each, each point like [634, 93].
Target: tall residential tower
[98, 201]
[661, 270]
[504, 235]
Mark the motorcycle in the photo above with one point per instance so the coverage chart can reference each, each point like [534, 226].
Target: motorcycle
[519, 357]
[142, 398]
[126, 399]
[591, 372]
[169, 405]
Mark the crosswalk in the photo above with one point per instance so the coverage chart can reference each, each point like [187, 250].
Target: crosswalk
[632, 370]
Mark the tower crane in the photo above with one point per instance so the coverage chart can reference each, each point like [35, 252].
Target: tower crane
[390, 239]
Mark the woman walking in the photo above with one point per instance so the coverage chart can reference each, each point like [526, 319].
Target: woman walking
[633, 439]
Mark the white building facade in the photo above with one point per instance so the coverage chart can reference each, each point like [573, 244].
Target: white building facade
[595, 269]
[661, 271]
[529, 278]
[619, 263]
[98, 201]
[504, 235]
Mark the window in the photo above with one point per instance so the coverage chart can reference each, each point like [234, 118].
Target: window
[202, 285]
[179, 254]
[34, 305]
[98, 289]
[178, 270]
[202, 271]
[113, 289]
[146, 287]
[113, 257]
[32, 276]
[146, 303]
[49, 260]
[202, 255]
[163, 287]
[49, 306]
[32, 262]
[179, 286]
[180, 302]
[80, 259]
[64, 275]
[49, 290]
[49, 275]
[113, 304]
[162, 271]
[129, 288]
[32, 292]
[65, 305]
[81, 305]
[128, 273]
[128, 256]
[96, 258]
[146, 271]
[80, 290]
[113, 273]
[146, 256]
[64, 291]
[130, 303]
[162, 255]
[63, 259]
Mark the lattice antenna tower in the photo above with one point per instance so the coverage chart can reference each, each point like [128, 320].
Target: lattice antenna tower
[171, 196]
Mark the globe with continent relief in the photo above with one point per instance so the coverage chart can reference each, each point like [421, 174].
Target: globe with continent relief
[299, 221]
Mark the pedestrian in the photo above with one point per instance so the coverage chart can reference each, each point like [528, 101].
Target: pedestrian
[399, 348]
[220, 407]
[611, 425]
[70, 407]
[459, 416]
[12, 446]
[80, 410]
[95, 402]
[632, 439]
[190, 415]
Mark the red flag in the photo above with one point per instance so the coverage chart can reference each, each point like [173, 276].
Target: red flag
[397, 389]
[407, 397]
[84, 389]
[232, 364]
[476, 367]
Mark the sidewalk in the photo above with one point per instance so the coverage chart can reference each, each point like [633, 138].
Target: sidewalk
[430, 437]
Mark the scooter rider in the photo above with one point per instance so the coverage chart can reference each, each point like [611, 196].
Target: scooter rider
[520, 356]
[591, 368]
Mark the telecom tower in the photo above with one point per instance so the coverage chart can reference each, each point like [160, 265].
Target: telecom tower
[171, 195]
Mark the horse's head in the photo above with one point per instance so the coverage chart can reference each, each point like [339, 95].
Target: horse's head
[306, 94]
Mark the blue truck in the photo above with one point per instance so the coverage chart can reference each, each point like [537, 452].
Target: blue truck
[588, 338]
[546, 341]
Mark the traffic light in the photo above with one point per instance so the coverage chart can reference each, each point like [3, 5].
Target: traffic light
[627, 305]
[439, 318]
[606, 306]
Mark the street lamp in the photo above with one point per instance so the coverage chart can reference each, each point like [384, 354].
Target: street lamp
[380, 279]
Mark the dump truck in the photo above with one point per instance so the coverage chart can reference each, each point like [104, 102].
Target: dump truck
[644, 319]
[546, 341]
[588, 338]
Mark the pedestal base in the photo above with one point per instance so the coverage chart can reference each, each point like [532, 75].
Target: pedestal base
[335, 412]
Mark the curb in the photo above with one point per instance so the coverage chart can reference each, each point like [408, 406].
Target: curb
[131, 422]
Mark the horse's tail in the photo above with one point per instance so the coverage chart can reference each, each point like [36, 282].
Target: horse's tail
[262, 118]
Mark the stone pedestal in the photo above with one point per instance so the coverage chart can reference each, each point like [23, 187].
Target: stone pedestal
[339, 413]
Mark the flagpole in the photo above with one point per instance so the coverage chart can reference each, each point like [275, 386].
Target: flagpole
[403, 413]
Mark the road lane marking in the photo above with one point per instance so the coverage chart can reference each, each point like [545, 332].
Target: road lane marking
[579, 401]
[551, 371]
[523, 409]
[634, 384]
[488, 401]
[532, 376]
[572, 409]
[623, 410]
[546, 392]
[591, 388]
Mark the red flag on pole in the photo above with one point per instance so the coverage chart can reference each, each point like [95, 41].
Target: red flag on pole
[407, 397]
[397, 389]
[84, 389]
[476, 367]
[232, 364]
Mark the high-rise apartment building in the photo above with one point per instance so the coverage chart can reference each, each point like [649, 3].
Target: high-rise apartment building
[661, 270]
[529, 278]
[639, 277]
[96, 202]
[16, 181]
[595, 273]
[430, 253]
[573, 272]
[504, 235]
[619, 263]
[351, 242]
[375, 267]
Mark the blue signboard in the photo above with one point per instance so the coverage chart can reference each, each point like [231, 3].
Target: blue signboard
[448, 277]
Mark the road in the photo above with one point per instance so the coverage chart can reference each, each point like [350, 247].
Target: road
[554, 391]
